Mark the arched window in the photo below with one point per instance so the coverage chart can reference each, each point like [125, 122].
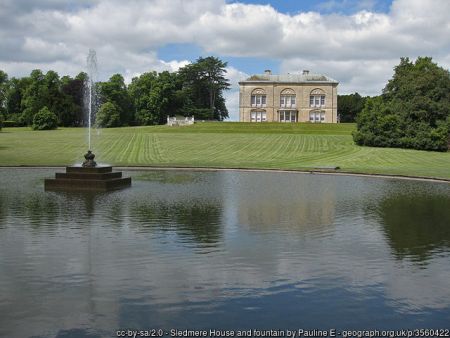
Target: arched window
[258, 115]
[317, 98]
[258, 98]
[287, 98]
[316, 116]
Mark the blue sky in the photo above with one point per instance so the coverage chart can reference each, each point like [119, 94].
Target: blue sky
[324, 7]
[355, 42]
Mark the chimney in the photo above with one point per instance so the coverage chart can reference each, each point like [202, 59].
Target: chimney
[268, 72]
[305, 72]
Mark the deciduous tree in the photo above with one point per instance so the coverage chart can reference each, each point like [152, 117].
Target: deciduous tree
[349, 106]
[115, 91]
[108, 116]
[413, 112]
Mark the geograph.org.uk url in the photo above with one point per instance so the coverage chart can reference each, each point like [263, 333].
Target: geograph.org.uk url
[216, 333]
[396, 333]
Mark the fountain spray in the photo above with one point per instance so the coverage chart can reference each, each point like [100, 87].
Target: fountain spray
[92, 76]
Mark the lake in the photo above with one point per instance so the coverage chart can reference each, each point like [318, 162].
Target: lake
[223, 250]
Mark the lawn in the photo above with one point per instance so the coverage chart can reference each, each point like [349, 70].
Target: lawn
[229, 145]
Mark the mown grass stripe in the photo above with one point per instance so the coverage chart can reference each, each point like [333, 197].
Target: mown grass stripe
[219, 144]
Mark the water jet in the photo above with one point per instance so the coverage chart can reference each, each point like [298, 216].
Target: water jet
[88, 176]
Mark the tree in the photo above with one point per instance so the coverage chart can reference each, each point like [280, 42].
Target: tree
[163, 100]
[3, 92]
[108, 116]
[115, 91]
[203, 84]
[33, 97]
[413, 111]
[14, 93]
[45, 120]
[41, 91]
[139, 90]
[349, 106]
[155, 96]
[71, 107]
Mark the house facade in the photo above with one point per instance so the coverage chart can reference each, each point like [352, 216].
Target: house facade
[288, 98]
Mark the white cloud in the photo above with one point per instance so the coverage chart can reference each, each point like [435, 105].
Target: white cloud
[232, 95]
[359, 50]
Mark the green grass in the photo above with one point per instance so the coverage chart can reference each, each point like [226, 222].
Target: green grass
[230, 145]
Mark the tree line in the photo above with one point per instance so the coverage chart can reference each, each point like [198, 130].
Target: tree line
[194, 90]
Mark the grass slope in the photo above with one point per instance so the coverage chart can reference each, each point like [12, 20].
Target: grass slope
[228, 145]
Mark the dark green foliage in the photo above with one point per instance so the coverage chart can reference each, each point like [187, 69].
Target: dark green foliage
[349, 106]
[155, 96]
[203, 85]
[115, 91]
[70, 112]
[140, 89]
[9, 123]
[45, 120]
[108, 116]
[3, 92]
[14, 94]
[1, 121]
[413, 112]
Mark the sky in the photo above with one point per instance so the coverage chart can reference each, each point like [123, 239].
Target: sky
[355, 42]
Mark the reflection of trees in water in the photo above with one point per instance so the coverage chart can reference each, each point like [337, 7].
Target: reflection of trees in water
[415, 225]
[54, 208]
[2, 209]
[40, 211]
[196, 220]
[32, 207]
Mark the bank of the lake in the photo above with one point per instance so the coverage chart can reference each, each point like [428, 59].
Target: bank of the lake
[221, 145]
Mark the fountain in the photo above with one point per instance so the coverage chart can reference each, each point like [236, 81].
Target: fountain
[90, 97]
[89, 176]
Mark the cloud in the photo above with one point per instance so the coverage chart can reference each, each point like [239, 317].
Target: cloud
[232, 96]
[358, 49]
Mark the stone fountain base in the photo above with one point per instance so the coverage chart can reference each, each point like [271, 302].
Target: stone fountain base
[88, 178]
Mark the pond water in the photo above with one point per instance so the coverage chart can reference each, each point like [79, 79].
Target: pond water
[223, 250]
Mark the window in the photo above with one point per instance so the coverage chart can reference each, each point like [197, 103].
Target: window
[258, 116]
[258, 100]
[287, 101]
[317, 116]
[317, 100]
[288, 116]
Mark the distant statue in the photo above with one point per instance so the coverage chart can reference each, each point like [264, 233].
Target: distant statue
[89, 163]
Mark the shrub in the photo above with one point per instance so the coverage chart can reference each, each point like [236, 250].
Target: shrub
[45, 120]
[108, 116]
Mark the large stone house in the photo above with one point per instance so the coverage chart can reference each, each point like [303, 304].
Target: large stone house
[288, 98]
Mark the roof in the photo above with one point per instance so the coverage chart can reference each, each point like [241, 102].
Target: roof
[290, 78]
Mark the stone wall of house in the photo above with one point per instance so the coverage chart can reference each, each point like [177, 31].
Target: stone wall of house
[302, 93]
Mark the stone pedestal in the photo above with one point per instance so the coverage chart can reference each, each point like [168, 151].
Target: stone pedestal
[88, 178]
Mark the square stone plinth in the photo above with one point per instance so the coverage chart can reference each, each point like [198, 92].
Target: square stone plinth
[92, 179]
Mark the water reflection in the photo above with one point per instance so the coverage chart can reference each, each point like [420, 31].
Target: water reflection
[196, 220]
[416, 226]
[229, 249]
